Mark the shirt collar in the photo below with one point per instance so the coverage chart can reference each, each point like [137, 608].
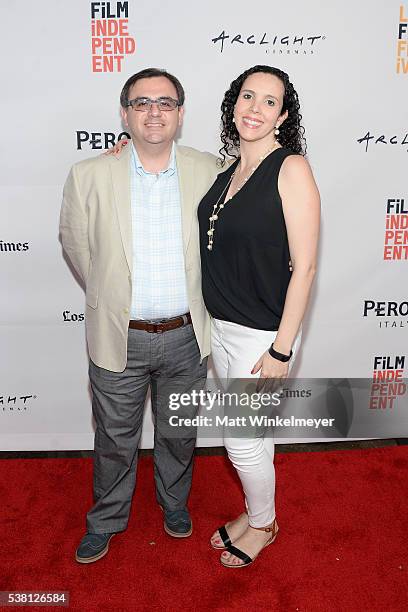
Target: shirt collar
[169, 171]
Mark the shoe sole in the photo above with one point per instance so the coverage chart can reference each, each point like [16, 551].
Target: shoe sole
[174, 534]
[95, 557]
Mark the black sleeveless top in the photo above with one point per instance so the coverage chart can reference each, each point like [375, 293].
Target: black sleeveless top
[246, 274]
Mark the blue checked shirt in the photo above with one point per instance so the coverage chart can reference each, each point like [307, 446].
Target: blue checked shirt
[158, 278]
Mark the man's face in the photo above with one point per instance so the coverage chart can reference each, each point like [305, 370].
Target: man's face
[153, 126]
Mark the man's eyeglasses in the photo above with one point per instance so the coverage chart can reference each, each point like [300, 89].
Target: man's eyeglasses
[145, 104]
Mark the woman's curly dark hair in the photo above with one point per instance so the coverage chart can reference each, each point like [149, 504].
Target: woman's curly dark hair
[291, 133]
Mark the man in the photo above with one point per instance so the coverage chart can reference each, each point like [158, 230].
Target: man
[129, 227]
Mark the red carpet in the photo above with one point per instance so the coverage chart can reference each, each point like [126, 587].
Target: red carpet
[343, 542]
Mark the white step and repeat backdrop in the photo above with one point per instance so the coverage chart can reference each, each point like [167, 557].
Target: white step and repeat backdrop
[64, 64]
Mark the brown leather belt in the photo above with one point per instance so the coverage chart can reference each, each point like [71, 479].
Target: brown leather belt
[158, 328]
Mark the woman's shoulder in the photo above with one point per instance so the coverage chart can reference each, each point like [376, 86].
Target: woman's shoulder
[293, 163]
[296, 175]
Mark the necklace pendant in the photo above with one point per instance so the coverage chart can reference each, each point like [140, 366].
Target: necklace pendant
[209, 247]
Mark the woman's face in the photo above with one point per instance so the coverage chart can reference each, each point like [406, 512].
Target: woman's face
[258, 108]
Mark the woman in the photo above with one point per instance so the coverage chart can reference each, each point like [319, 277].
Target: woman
[259, 226]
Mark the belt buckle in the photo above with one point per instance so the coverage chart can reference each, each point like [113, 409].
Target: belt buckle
[157, 330]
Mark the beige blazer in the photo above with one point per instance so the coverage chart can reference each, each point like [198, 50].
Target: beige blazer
[96, 234]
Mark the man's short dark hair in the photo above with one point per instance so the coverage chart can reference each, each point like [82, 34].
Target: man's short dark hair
[148, 73]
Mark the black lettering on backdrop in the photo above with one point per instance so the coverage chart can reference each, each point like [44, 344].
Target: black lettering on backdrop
[98, 140]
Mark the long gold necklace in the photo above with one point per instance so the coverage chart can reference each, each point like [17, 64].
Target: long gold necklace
[219, 205]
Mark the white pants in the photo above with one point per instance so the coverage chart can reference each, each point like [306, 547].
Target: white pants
[235, 350]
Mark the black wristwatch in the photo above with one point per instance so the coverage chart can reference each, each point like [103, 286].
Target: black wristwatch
[279, 356]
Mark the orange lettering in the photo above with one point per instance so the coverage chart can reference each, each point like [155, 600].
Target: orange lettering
[123, 27]
[388, 236]
[382, 402]
[387, 253]
[402, 65]
[107, 46]
[96, 63]
[402, 47]
[130, 45]
[373, 403]
[96, 44]
[108, 63]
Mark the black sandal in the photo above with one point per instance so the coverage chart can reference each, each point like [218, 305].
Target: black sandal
[247, 560]
[224, 537]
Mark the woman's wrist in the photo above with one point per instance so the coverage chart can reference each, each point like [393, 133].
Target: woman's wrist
[279, 355]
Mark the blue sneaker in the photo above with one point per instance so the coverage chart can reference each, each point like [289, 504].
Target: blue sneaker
[177, 523]
[93, 546]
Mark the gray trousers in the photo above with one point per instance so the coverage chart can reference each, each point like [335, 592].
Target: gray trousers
[168, 362]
